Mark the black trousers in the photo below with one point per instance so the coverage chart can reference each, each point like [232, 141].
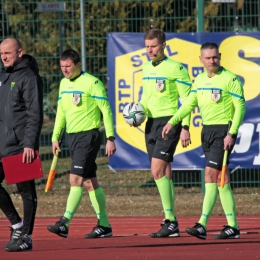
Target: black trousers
[29, 197]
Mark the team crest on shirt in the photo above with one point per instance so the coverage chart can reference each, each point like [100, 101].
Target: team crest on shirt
[76, 99]
[159, 84]
[12, 85]
[216, 94]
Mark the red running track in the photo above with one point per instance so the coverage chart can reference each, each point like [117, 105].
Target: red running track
[131, 241]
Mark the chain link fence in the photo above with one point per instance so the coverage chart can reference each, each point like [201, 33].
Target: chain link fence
[45, 34]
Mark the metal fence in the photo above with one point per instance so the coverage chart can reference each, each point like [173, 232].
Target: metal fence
[45, 33]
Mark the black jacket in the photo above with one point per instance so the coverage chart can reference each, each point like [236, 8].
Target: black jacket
[21, 107]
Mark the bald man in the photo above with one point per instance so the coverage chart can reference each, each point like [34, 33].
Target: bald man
[21, 117]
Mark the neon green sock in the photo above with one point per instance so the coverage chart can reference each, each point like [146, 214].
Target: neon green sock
[73, 202]
[165, 191]
[173, 197]
[98, 200]
[228, 204]
[209, 201]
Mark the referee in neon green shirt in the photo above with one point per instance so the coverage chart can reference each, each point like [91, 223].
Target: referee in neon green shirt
[164, 81]
[220, 97]
[82, 99]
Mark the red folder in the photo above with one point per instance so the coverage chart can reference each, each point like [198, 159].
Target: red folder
[16, 171]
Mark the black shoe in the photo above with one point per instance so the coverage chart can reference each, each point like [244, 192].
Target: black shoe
[23, 243]
[169, 229]
[197, 231]
[228, 232]
[15, 234]
[60, 228]
[100, 231]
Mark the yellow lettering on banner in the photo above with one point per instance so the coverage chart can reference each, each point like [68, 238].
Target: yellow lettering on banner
[128, 78]
[237, 56]
[188, 54]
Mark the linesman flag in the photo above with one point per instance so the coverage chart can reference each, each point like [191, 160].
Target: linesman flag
[224, 164]
[52, 171]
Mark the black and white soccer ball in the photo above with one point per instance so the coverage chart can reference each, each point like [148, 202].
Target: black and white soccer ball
[134, 114]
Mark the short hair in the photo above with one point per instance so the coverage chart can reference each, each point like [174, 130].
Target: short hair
[155, 33]
[209, 45]
[70, 54]
[19, 45]
[16, 41]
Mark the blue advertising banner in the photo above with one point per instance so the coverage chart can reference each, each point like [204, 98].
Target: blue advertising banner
[240, 53]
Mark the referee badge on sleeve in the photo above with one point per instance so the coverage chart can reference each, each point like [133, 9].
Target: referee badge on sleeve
[76, 99]
[216, 94]
[159, 84]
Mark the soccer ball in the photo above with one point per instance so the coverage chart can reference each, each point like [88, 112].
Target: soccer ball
[134, 114]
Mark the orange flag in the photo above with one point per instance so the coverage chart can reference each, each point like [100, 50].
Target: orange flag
[224, 164]
[224, 169]
[52, 171]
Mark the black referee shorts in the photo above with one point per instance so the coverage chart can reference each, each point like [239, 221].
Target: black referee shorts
[212, 139]
[156, 146]
[83, 148]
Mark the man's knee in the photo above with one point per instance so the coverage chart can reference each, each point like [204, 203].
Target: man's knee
[158, 168]
[76, 180]
[211, 175]
[91, 184]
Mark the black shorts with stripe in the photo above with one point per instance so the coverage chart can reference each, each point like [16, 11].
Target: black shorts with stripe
[156, 146]
[212, 139]
[83, 148]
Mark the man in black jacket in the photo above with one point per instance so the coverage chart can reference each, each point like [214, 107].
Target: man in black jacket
[21, 117]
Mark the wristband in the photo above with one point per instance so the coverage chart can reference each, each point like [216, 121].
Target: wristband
[234, 136]
[186, 127]
[111, 138]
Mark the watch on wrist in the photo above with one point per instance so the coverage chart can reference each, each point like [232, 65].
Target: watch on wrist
[232, 135]
[186, 127]
[111, 138]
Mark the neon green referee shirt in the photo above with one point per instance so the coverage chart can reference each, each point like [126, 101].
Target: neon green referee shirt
[162, 86]
[220, 99]
[80, 104]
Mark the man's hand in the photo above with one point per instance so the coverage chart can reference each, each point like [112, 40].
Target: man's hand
[185, 138]
[228, 142]
[166, 130]
[110, 148]
[135, 125]
[28, 155]
[55, 147]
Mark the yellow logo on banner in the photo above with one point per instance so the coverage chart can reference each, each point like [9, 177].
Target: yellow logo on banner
[129, 88]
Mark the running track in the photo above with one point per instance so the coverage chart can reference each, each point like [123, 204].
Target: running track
[131, 241]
